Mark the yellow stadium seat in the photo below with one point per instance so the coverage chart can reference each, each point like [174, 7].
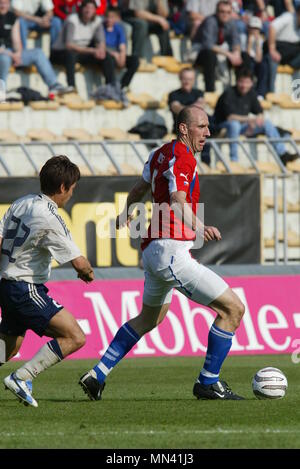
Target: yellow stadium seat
[44, 105]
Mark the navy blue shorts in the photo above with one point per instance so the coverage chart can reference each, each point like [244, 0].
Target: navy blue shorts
[25, 306]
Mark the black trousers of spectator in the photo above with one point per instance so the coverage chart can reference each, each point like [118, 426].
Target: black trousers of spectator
[132, 64]
[279, 7]
[290, 53]
[208, 60]
[70, 58]
[250, 63]
[141, 29]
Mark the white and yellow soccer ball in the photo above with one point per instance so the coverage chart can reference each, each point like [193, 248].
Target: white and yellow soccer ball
[269, 383]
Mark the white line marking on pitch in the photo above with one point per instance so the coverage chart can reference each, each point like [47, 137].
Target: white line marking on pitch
[150, 432]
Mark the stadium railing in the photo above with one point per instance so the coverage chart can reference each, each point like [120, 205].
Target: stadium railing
[280, 200]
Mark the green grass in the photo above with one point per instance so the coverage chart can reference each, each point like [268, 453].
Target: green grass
[148, 403]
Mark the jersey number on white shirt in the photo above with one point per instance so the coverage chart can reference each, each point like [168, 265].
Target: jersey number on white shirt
[18, 240]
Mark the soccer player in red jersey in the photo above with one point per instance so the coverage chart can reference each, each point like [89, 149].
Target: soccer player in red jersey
[171, 173]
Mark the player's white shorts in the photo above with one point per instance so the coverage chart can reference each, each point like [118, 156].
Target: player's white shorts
[168, 264]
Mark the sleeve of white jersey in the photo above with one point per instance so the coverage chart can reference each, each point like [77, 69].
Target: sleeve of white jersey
[60, 246]
[2, 222]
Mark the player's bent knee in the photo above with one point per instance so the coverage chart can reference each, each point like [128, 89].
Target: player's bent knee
[79, 340]
[237, 313]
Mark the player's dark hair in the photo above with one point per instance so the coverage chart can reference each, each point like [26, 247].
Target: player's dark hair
[112, 9]
[223, 2]
[57, 171]
[186, 69]
[244, 72]
[83, 4]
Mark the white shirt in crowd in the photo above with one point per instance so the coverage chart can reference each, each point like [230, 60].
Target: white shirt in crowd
[31, 6]
[287, 28]
[202, 7]
[33, 233]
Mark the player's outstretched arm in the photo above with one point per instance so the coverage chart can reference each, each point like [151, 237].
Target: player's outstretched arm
[83, 268]
[135, 195]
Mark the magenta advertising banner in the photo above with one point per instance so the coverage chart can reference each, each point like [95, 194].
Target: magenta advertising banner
[270, 325]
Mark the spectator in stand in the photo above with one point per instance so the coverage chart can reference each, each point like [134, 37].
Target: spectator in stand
[256, 7]
[36, 15]
[198, 10]
[64, 8]
[217, 35]
[283, 47]
[148, 17]
[178, 16]
[284, 39]
[116, 45]
[252, 46]
[239, 112]
[82, 40]
[281, 6]
[12, 52]
[186, 95]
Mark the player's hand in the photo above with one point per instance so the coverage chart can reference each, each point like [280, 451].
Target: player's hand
[123, 220]
[100, 53]
[211, 233]
[17, 58]
[260, 121]
[46, 22]
[164, 24]
[235, 58]
[87, 277]
[275, 56]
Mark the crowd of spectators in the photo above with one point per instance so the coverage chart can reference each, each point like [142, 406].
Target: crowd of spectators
[226, 36]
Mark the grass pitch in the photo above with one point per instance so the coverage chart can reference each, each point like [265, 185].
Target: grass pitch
[148, 403]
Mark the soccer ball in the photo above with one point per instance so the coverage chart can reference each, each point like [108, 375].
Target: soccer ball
[269, 383]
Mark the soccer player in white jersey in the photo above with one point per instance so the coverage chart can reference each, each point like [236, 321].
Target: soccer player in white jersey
[31, 234]
[171, 174]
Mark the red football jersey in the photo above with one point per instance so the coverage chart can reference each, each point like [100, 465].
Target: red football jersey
[171, 168]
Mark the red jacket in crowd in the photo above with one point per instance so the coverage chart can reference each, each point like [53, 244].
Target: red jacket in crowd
[63, 8]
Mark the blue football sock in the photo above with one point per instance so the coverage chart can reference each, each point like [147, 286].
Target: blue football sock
[123, 341]
[29, 384]
[219, 344]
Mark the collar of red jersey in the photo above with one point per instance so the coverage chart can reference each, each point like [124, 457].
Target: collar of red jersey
[178, 142]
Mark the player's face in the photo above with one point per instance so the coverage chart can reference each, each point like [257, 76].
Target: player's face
[66, 195]
[244, 85]
[112, 19]
[224, 13]
[187, 80]
[4, 6]
[88, 12]
[198, 131]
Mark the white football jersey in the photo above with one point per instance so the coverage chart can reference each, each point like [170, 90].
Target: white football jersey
[33, 233]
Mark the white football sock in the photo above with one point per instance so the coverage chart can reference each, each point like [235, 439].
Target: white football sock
[2, 352]
[42, 360]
